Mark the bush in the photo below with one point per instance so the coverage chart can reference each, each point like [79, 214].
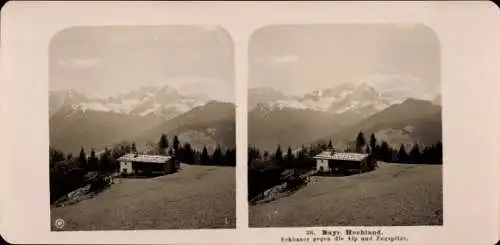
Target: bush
[295, 183]
[263, 177]
[63, 180]
[99, 183]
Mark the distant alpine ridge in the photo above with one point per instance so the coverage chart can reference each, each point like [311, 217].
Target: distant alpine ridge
[139, 116]
[162, 101]
[352, 98]
[398, 115]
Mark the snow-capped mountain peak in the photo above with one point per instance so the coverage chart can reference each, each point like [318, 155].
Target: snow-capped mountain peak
[360, 98]
[364, 92]
[60, 98]
[400, 86]
[162, 100]
[365, 87]
[263, 95]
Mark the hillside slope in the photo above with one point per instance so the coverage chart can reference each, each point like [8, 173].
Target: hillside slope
[197, 197]
[392, 195]
[70, 130]
[210, 124]
[408, 122]
[405, 123]
[268, 127]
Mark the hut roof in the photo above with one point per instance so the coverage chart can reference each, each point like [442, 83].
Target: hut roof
[131, 157]
[342, 156]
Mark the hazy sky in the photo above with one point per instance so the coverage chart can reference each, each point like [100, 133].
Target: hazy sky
[101, 61]
[300, 58]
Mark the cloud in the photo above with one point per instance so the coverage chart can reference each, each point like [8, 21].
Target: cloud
[286, 59]
[80, 63]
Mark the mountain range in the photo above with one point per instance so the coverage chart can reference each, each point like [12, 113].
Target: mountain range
[412, 121]
[162, 101]
[340, 113]
[354, 98]
[139, 116]
[274, 117]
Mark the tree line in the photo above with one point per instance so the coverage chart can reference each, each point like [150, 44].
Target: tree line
[107, 159]
[68, 172]
[418, 154]
[186, 154]
[381, 150]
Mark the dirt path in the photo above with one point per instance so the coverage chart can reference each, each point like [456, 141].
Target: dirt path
[197, 197]
[394, 194]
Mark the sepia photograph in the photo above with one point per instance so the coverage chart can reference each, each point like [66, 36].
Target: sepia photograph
[142, 128]
[345, 126]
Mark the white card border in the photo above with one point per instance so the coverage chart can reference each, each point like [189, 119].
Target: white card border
[469, 37]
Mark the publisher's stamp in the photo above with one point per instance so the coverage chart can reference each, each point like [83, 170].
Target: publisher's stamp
[59, 223]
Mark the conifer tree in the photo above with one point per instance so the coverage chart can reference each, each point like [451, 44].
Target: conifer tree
[230, 157]
[278, 156]
[253, 154]
[360, 142]
[415, 154]
[439, 153]
[93, 161]
[205, 158]
[56, 156]
[385, 152]
[134, 149]
[189, 154]
[82, 159]
[217, 156]
[265, 155]
[373, 144]
[176, 143]
[105, 161]
[163, 144]
[402, 154]
[301, 156]
[289, 157]
[373, 141]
